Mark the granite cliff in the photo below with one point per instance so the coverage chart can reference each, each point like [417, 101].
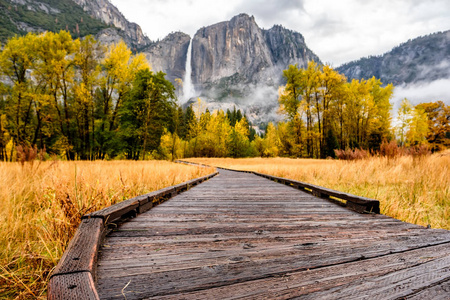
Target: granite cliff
[121, 28]
[233, 63]
[228, 55]
[169, 55]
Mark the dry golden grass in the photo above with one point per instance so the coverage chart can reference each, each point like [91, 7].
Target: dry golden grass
[415, 190]
[41, 204]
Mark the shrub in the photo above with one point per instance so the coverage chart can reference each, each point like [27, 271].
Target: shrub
[349, 154]
[419, 151]
[390, 149]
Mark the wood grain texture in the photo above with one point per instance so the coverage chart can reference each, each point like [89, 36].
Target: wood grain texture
[116, 212]
[78, 286]
[239, 235]
[81, 254]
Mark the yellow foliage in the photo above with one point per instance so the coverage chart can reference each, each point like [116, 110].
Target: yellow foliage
[418, 128]
[122, 66]
[171, 146]
[241, 127]
[336, 113]
[271, 142]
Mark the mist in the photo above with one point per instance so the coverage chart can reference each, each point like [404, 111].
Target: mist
[437, 90]
[259, 102]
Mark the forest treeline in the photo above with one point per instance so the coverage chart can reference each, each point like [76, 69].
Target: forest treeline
[78, 99]
[324, 112]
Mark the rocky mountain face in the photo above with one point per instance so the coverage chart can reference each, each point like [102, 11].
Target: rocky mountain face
[80, 17]
[169, 55]
[239, 52]
[423, 59]
[233, 63]
[228, 48]
[130, 32]
[288, 47]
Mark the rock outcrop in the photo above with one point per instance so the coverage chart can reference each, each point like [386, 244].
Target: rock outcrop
[239, 51]
[169, 55]
[229, 48]
[238, 63]
[423, 59]
[130, 32]
[288, 47]
[233, 63]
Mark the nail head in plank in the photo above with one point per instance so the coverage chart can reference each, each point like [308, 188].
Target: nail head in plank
[78, 286]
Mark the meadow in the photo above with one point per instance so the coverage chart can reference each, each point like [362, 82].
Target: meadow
[411, 189]
[41, 204]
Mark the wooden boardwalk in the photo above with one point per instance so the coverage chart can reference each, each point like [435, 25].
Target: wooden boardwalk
[242, 236]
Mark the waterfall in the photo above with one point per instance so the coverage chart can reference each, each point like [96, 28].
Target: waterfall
[188, 87]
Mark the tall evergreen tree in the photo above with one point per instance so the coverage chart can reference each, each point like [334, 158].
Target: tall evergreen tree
[146, 112]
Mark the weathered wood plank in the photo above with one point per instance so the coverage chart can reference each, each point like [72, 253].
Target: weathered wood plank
[261, 236]
[396, 285]
[357, 203]
[300, 284]
[217, 275]
[116, 212]
[81, 254]
[131, 207]
[440, 291]
[269, 255]
[266, 241]
[72, 286]
[262, 261]
[224, 236]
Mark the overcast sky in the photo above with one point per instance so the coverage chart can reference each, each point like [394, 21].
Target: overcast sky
[338, 31]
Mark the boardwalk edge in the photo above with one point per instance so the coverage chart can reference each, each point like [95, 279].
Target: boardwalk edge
[75, 275]
[353, 202]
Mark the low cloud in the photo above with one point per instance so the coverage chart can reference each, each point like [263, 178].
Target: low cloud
[258, 101]
[430, 72]
[437, 90]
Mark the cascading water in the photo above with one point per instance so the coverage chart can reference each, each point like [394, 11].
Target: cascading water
[188, 87]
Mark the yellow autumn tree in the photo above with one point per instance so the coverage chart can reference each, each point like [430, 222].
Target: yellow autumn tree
[239, 143]
[418, 127]
[17, 59]
[270, 145]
